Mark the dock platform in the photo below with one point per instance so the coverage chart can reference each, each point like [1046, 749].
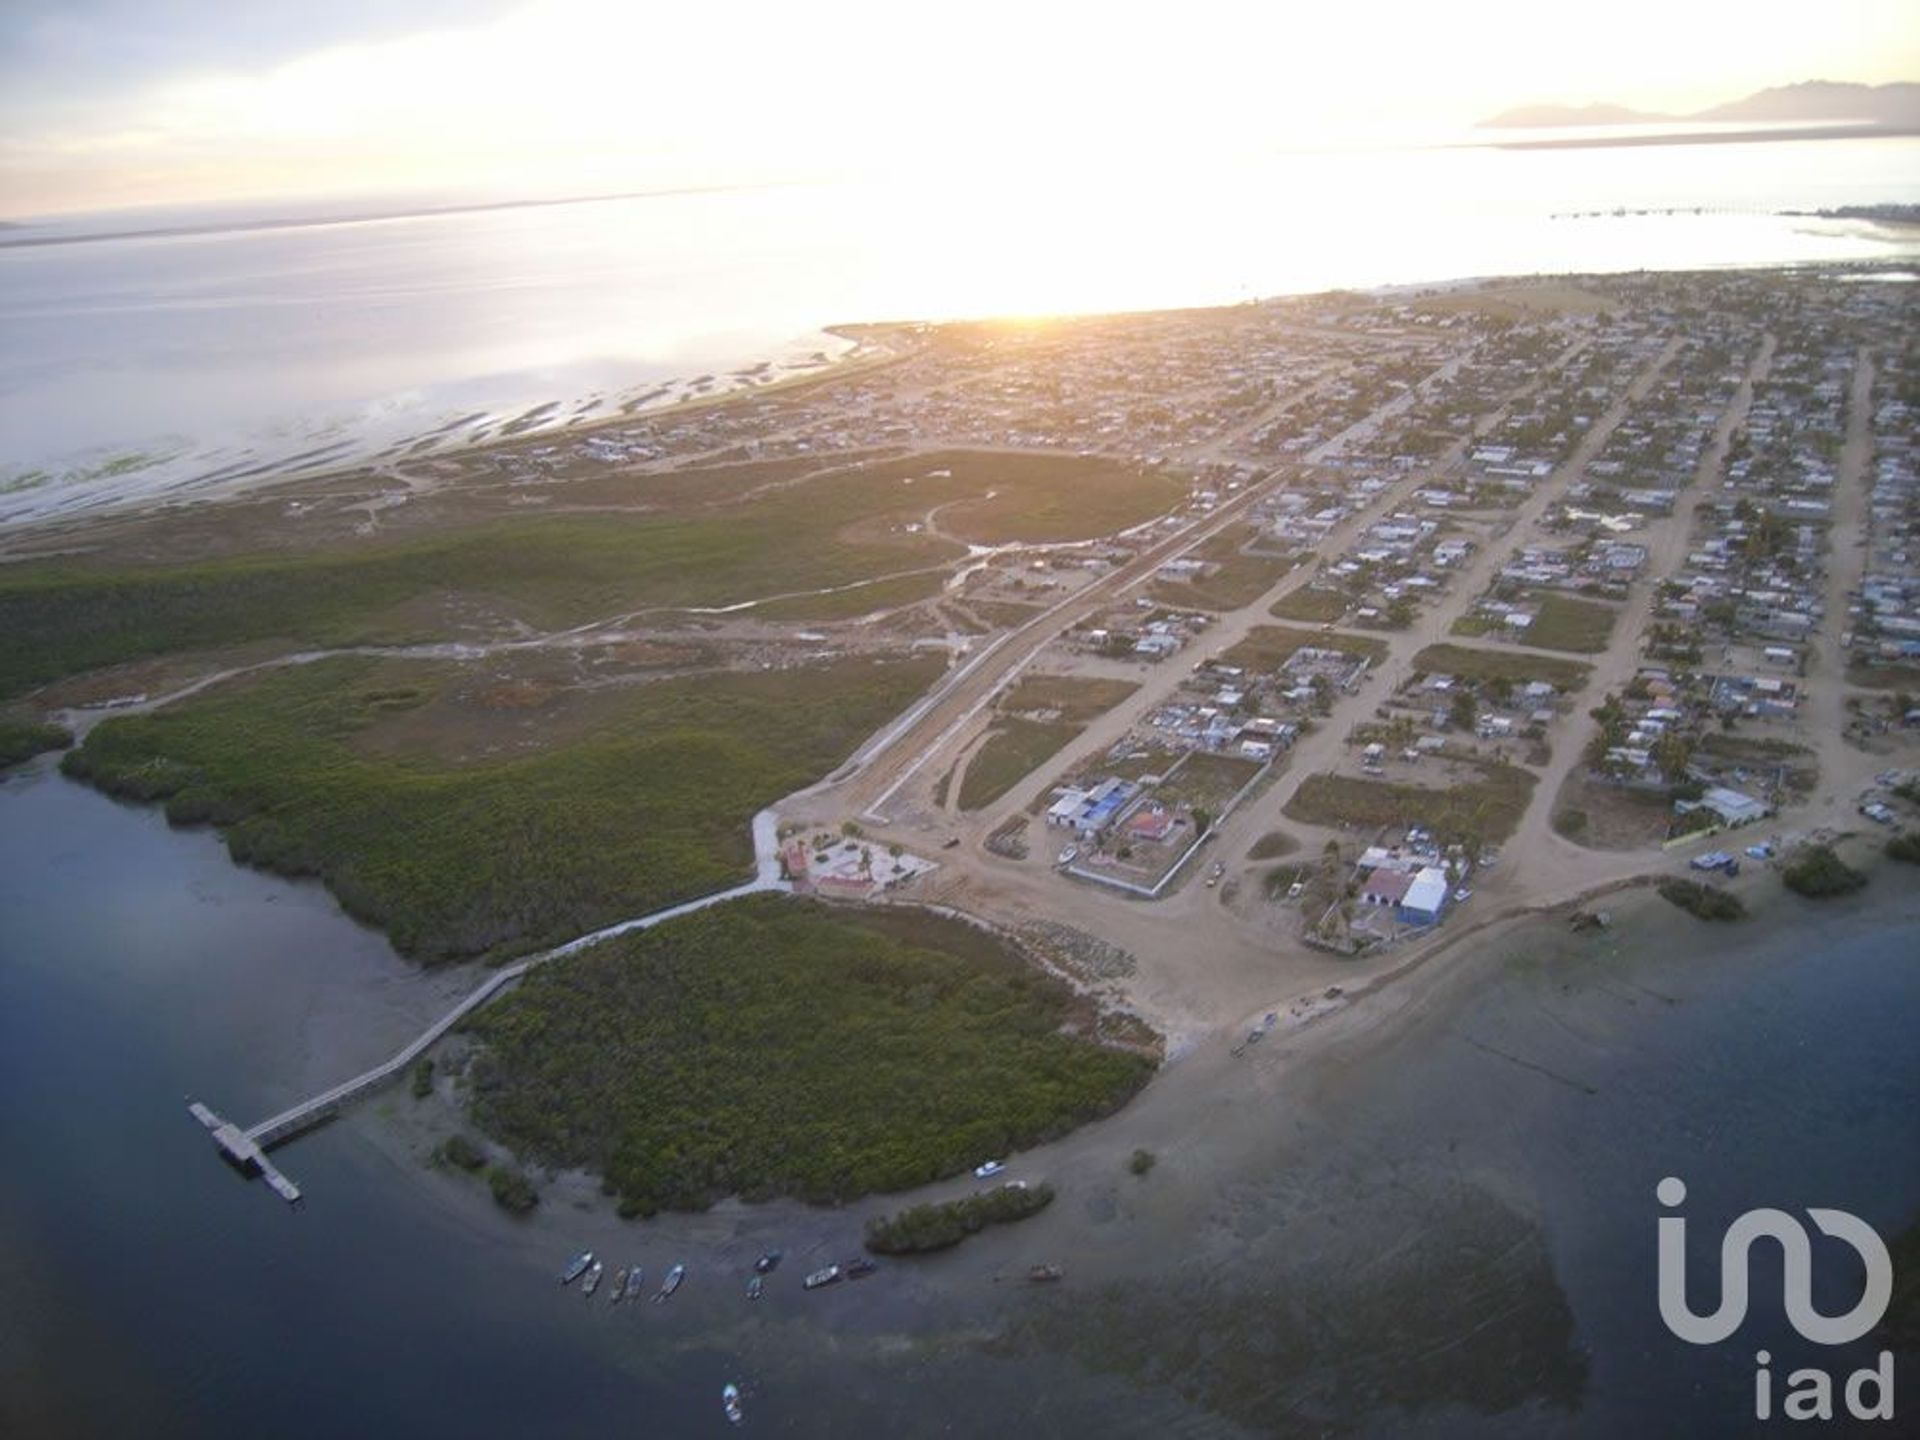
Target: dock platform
[244, 1153]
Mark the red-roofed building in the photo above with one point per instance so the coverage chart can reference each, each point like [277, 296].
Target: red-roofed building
[1155, 822]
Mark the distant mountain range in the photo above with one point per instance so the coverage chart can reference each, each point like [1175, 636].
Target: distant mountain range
[1809, 102]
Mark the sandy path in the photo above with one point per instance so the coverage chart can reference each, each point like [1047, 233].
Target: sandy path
[1825, 683]
[1541, 854]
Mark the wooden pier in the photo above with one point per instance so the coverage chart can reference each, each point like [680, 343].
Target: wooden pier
[246, 1149]
[244, 1153]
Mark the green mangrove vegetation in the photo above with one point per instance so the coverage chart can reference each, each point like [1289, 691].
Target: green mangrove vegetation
[512, 1191]
[1819, 874]
[21, 740]
[775, 1046]
[1704, 901]
[649, 806]
[922, 1228]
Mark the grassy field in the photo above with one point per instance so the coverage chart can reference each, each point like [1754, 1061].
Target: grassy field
[1487, 809]
[885, 594]
[1072, 698]
[1207, 782]
[647, 806]
[62, 617]
[1480, 665]
[1014, 749]
[1311, 605]
[1564, 623]
[1560, 623]
[1267, 647]
[1038, 718]
[779, 1047]
[1240, 579]
[1040, 497]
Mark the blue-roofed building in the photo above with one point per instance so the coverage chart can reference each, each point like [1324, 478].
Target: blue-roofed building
[1090, 812]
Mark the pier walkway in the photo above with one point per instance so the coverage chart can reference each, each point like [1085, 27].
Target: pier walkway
[246, 1148]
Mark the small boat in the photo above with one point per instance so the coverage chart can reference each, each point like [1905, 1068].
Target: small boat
[592, 1282]
[767, 1263]
[619, 1290]
[576, 1267]
[859, 1268]
[1044, 1274]
[633, 1282]
[756, 1287]
[730, 1402]
[672, 1282]
[828, 1276]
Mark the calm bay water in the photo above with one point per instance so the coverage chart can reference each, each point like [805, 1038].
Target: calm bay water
[1446, 1229]
[154, 362]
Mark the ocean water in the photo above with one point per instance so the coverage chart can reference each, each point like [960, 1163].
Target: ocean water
[1442, 1228]
[158, 363]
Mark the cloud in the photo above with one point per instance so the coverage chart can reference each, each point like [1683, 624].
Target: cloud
[114, 101]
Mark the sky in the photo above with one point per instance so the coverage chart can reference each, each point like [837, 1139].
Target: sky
[108, 104]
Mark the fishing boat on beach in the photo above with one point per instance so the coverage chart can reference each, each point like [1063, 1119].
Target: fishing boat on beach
[756, 1287]
[633, 1283]
[818, 1278]
[730, 1402]
[671, 1283]
[619, 1290]
[592, 1282]
[766, 1263]
[1044, 1274]
[576, 1267]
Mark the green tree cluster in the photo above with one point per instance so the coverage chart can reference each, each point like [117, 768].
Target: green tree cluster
[774, 1046]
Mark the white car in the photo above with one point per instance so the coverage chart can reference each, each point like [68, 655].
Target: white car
[988, 1170]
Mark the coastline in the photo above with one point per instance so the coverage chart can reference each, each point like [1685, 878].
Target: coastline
[79, 501]
[1255, 1171]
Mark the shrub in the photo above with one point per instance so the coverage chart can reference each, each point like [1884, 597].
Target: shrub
[1816, 872]
[1905, 847]
[422, 1079]
[1141, 1161]
[921, 1228]
[459, 1150]
[1705, 901]
[1272, 845]
[512, 1191]
[1571, 823]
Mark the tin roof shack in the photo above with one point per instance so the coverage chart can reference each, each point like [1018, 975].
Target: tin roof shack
[1425, 900]
[1732, 806]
